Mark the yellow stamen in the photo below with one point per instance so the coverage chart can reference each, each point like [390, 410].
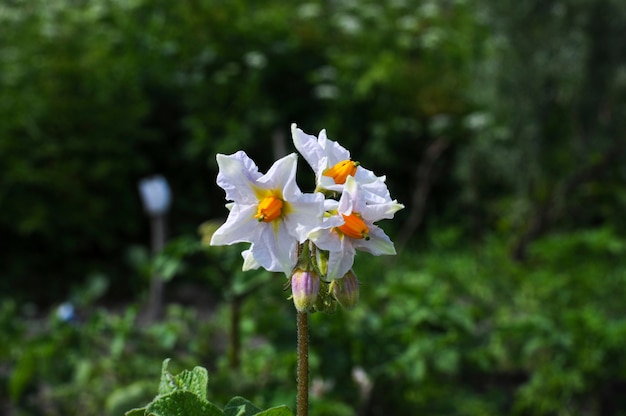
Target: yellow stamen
[341, 171]
[354, 227]
[269, 209]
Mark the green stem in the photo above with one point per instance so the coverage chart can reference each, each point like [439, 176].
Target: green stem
[303, 364]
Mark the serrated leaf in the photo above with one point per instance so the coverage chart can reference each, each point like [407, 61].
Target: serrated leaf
[194, 381]
[238, 406]
[136, 412]
[276, 411]
[167, 383]
[183, 403]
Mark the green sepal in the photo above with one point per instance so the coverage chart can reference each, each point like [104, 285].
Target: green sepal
[325, 301]
[304, 259]
[321, 262]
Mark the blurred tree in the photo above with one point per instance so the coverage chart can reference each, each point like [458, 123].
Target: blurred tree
[553, 127]
[66, 152]
[491, 116]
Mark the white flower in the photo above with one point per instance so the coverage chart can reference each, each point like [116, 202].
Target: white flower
[350, 227]
[268, 211]
[332, 165]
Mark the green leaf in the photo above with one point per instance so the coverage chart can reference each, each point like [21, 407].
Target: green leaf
[238, 406]
[167, 383]
[276, 411]
[182, 403]
[136, 412]
[194, 381]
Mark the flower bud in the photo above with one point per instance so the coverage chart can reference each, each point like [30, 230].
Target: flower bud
[346, 290]
[305, 286]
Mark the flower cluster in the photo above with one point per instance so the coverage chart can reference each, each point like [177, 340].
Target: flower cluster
[308, 236]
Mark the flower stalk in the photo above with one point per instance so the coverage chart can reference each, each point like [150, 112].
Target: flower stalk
[302, 398]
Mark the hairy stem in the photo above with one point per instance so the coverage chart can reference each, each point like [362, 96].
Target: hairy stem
[303, 364]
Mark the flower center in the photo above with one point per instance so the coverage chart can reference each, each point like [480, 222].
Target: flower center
[354, 227]
[341, 171]
[269, 209]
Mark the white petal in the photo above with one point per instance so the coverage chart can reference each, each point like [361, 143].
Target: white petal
[373, 186]
[326, 182]
[330, 205]
[314, 150]
[327, 239]
[375, 212]
[282, 174]
[275, 249]
[332, 221]
[340, 262]
[378, 244]
[348, 202]
[240, 226]
[237, 173]
[307, 146]
[305, 214]
[364, 176]
[334, 151]
[331, 217]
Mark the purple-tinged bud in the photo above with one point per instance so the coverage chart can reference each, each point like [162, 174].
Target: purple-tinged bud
[305, 286]
[346, 290]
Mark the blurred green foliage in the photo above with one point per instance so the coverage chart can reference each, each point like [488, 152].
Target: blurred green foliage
[500, 125]
[96, 94]
[452, 331]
